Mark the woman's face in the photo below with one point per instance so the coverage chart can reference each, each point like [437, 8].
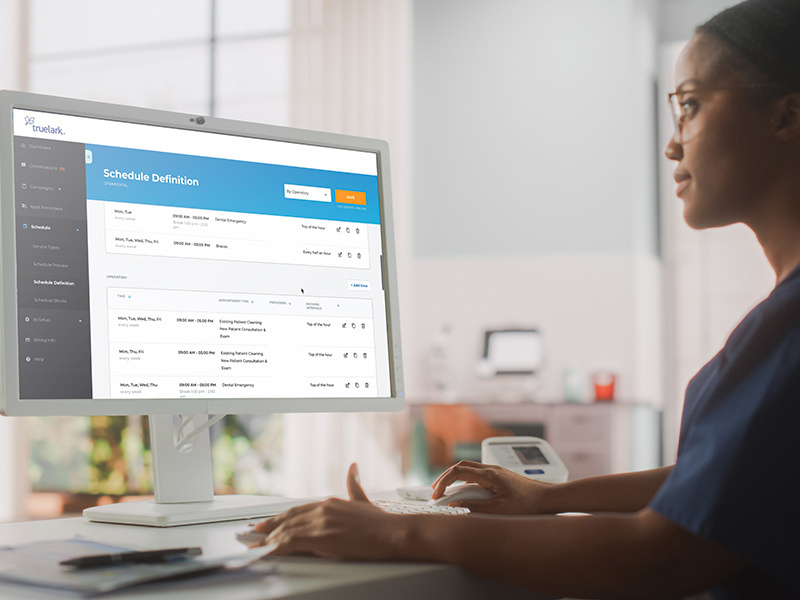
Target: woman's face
[723, 153]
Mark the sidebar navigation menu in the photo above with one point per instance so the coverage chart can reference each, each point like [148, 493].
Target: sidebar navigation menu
[52, 269]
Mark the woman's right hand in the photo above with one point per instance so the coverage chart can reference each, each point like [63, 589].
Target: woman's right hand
[514, 494]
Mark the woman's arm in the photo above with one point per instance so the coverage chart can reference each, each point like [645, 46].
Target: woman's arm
[516, 494]
[623, 492]
[635, 555]
[640, 555]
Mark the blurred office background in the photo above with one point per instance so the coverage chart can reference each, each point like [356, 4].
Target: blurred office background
[530, 191]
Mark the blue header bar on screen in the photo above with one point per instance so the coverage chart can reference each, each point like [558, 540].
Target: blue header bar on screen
[158, 178]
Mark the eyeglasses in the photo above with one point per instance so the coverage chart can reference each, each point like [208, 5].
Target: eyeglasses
[682, 109]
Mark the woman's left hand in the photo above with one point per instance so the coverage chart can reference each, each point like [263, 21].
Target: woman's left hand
[334, 528]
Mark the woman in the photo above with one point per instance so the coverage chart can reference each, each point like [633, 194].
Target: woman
[724, 516]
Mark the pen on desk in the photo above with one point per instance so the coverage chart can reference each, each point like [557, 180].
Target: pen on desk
[145, 556]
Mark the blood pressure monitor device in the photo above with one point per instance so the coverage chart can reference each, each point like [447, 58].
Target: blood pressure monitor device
[532, 457]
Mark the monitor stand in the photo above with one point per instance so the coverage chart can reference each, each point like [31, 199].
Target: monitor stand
[184, 487]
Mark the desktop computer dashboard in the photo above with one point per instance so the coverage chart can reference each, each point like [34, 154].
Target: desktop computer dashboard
[159, 263]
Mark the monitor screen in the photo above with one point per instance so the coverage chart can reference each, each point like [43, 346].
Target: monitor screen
[511, 352]
[159, 263]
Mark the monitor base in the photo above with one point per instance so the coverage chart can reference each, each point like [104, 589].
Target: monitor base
[221, 508]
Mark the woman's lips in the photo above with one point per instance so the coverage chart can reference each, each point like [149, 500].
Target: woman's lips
[682, 178]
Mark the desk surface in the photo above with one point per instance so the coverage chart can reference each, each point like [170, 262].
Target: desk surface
[297, 578]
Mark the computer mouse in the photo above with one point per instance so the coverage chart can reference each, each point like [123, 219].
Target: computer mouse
[466, 491]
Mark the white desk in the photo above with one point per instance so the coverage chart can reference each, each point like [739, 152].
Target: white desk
[296, 579]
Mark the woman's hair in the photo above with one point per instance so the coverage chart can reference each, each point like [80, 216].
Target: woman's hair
[766, 34]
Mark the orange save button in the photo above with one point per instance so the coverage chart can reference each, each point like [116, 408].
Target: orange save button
[351, 197]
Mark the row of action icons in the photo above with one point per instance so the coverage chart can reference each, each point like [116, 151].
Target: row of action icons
[356, 385]
[347, 230]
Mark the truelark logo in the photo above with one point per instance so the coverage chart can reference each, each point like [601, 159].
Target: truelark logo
[31, 122]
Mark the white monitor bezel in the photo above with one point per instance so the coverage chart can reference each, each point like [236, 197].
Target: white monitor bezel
[12, 405]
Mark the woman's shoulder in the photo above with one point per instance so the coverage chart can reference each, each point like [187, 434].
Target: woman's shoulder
[769, 325]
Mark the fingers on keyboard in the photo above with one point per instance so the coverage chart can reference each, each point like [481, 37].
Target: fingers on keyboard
[418, 508]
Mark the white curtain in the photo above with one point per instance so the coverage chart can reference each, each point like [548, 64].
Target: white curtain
[351, 62]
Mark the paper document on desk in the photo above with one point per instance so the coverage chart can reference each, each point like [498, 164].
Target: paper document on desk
[37, 564]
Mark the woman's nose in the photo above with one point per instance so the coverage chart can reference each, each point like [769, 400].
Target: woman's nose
[674, 150]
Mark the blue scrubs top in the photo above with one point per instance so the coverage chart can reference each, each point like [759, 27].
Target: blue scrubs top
[737, 478]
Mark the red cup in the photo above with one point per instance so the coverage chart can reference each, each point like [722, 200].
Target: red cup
[603, 385]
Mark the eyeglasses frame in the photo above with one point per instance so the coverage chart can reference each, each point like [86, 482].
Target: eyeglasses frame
[675, 107]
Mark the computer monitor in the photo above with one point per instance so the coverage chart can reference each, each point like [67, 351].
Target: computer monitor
[169, 264]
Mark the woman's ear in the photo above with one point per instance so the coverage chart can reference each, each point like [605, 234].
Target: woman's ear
[786, 119]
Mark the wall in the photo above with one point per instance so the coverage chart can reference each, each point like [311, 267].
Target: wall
[11, 43]
[678, 18]
[535, 193]
[522, 142]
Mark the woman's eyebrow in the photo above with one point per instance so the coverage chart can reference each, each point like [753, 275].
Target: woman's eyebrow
[690, 83]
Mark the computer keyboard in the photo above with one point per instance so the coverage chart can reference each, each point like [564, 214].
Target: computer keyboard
[398, 507]
[403, 507]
